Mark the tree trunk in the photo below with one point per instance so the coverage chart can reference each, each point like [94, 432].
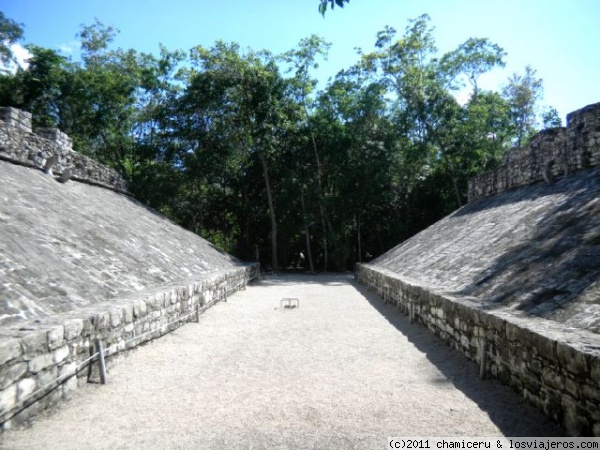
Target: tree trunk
[263, 162]
[454, 181]
[358, 238]
[321, 207]
[307, 234]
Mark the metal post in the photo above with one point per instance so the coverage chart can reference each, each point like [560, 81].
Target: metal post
[101, 362]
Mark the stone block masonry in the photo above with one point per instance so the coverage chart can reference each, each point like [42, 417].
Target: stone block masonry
[79, 263]
[34, 355]
[19, 145]
[550, 155]
[556, 369]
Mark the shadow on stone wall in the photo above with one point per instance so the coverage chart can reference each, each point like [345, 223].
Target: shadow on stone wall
[584, 179]
[560, 261]
[490, 395]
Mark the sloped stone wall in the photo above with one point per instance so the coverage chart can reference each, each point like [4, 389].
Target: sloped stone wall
[19, 145]
[80, 264]
[555, 369]
[34, 355]
[576, 147]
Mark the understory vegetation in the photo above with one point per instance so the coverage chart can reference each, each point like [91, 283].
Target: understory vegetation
[239, 146]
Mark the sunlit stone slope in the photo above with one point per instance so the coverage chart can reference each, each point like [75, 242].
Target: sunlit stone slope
[534, 250]
[73, 244]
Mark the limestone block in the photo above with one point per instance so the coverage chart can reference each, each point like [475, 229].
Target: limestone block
[575, 420]
[47, 376]
[56, 337]
[41, 362]
[68, 370]
[591, 392]
[128, 313]
[116, 317]
[542, 345]
[139, 309]
[61, 354]
[25, 388]
[8, 398]
[534, 365]
[73, 328]
[464, 341]
[34, 343]
[69, 387]
[572, 387]
[101, 320]
[553, 378]
[11, 373]
[569, 358]
[9, 349]
[594, 364]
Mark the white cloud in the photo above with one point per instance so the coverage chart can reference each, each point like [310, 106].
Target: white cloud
[463, 96]
[68, 48]
[21, 56]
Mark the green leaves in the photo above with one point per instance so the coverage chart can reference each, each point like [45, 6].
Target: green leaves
[10, 32]
[330, 3]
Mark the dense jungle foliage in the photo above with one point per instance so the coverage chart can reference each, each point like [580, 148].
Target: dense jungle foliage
[240, 147]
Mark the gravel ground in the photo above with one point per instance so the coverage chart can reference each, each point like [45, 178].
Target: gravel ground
[341, 371]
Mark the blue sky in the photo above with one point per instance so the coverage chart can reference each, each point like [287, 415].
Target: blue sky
[558, 38]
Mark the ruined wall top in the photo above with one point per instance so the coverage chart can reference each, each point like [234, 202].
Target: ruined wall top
[551, 154]
[51, 150]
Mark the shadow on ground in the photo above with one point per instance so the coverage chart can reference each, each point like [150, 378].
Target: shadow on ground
[490, 395]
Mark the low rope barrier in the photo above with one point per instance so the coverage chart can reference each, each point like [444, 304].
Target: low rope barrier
[100, 355]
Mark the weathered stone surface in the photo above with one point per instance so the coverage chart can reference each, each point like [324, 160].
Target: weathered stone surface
[96, 247]
[25, 388]
[73, 328]
[40, 363]
[562, 150]
[571, 359]
[521, 269]
[61, 354]
[34, 342]
[9, 349]
[56, 337]
[11, 373]
[8, 398]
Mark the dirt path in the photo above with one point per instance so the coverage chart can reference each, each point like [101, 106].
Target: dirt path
[341, 371]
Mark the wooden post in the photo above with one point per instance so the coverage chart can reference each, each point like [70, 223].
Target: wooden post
[198, 311]
[411, 310]
[101, 362]
[482, 358]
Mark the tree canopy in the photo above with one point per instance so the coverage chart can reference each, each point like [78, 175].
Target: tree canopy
[240, 147]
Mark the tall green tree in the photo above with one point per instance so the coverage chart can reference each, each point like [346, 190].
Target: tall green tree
[245, 93]
[523, 93]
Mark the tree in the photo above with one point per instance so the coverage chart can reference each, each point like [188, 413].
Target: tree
[471, 59]
[302, 59]
[243, 95]
[523, 93]
[10, 33]
[330, 3]
[551, 118]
